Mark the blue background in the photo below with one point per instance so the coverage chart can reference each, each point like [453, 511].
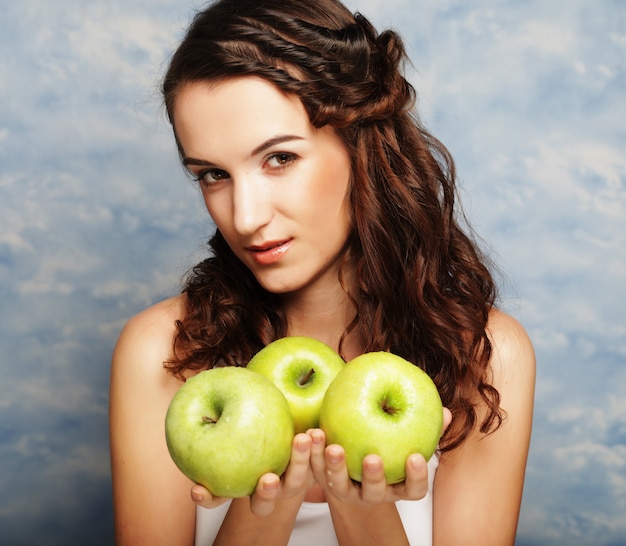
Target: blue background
[98, 221]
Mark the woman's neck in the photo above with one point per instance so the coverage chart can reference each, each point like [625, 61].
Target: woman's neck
[323, 315]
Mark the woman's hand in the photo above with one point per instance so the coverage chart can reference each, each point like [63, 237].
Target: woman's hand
[295, 481]
[331, 473]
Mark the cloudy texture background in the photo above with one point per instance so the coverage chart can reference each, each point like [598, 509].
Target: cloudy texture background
[97, 221]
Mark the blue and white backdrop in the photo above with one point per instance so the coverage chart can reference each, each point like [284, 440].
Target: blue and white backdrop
[97, 221]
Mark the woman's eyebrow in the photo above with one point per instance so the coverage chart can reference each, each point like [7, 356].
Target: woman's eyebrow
[193, 161]
[279, 139]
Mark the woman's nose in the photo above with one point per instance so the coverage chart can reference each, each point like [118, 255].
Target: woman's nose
[251, 204]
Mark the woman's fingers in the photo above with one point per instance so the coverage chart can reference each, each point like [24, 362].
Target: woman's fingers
[318, 446]
[297, 475]
[336, 472]
[295, 480]
[373, 484]
[263, 500]
[447, 418]
[330, 471]
[203, 497]
[416, 483]
[329, 465]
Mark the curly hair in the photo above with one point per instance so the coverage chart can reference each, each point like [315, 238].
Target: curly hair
[424, 288]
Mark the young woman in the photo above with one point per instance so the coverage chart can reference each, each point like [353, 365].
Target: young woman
[336, 219]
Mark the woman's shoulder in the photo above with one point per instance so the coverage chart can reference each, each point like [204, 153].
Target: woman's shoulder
[512, 367]
[146, 340]
[511, 346]
[157, 318]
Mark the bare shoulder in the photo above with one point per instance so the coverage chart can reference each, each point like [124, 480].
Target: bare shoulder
[144, 346]
[147, 338]
[513, 356]
[155, 322]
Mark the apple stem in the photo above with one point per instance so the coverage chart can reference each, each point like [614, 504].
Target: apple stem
[390, 410]
[207, 419]
[308, 376]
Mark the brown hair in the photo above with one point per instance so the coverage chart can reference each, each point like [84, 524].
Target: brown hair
[424, 291]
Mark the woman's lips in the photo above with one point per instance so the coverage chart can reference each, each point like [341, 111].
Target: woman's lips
[269, 253]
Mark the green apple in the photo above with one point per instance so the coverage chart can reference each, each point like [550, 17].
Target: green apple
[382, 404]
[226, 427]
[302, 368]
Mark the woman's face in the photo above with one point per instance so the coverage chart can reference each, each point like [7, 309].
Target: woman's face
[275, 186]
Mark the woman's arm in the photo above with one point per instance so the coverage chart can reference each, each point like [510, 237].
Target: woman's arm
[151, 497]
[478, 486]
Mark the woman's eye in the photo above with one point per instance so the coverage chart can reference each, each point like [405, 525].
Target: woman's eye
[210, 176]
[280, 159]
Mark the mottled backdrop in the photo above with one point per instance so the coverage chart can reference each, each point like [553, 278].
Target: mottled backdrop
[97, 221]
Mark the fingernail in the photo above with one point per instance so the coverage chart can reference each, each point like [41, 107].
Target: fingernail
[197, 496]
[418, 464]
[334, 456]
[372, 464]
[270, 486]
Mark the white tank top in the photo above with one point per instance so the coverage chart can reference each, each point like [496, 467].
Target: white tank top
[314, 526]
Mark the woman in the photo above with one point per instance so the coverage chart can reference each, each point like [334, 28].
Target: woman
[336, 219]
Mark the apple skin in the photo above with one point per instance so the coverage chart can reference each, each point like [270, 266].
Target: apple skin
[252, 432]
[287, 362]
[382, 404]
